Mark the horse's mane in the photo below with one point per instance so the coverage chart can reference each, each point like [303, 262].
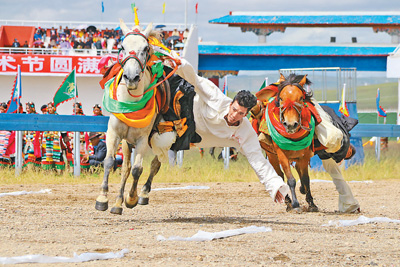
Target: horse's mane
[294, 79]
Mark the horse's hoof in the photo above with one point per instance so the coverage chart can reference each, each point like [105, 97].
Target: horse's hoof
[130, 206]
[101, 206]
[295, 205]
[143, 200]
[116, 210]
[312, 209]
[297, 210]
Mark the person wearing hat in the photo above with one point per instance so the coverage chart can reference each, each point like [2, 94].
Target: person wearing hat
[43, 109]
[99, 149]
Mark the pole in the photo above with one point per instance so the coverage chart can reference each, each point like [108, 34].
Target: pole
[77, 137]
[377, 140]
[226, 149]
[179, 158]
[226, 153]
[18, 134]
[398, 104]
[186, 6]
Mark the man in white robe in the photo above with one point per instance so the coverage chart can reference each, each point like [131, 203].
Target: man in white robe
[222, 122]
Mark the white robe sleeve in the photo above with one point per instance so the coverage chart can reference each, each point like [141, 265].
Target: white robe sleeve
[250, 147]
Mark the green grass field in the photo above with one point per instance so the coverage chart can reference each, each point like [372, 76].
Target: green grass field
[366, 96]
[206, 169]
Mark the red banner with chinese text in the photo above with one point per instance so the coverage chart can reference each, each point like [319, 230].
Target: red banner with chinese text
[49, 64]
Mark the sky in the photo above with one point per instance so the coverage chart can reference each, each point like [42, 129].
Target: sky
[151, 11]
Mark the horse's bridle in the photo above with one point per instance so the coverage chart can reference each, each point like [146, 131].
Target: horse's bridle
[133, 54]
[296, 105]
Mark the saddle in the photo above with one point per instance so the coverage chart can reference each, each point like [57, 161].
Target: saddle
[179, 117]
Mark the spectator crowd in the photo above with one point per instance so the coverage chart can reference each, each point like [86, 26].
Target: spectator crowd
[93, 38]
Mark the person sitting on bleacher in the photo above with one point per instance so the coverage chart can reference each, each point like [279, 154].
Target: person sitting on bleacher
[175, 33]
[38, 35]
[16, 43]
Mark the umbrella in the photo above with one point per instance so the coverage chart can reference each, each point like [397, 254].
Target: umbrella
[91, 28]
[159, 26]
[173, 38]
[180, 45]
[118, 28]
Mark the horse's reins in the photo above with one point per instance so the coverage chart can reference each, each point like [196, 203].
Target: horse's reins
[132, 55]
[291, 104]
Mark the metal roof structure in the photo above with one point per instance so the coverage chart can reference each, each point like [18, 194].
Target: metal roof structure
[265, 23]
[220, 57]
[311, 19]
[295, 50]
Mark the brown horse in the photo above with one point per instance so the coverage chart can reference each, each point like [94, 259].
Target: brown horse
[286, 131]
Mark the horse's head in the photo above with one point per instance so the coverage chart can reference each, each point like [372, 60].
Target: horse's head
[290, 100]
[134, 53]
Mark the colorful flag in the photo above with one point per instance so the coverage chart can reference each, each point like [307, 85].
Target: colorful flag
[163, 8]
[225, 87]
[67, 90]
[381, 111]
[343, 107]
[16, 94]
[102, 6]
[197, 6]
[265, 83]
[133, 8]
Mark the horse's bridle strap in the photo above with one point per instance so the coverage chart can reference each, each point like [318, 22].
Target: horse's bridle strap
[132, 54]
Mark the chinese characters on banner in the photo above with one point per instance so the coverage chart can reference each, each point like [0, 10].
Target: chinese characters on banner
[49, 64]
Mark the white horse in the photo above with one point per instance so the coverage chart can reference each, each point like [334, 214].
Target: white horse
[210, 106]
[134, 81]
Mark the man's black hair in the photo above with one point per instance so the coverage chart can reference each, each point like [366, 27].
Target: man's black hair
[245, 99]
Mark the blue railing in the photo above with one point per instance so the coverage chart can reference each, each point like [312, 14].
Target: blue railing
[40, 122]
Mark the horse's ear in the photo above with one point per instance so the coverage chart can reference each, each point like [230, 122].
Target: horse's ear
[281, 78]
[303, 81]
[148, 29]
[123, 26]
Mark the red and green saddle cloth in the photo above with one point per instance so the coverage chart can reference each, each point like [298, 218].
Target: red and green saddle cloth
[270, 124]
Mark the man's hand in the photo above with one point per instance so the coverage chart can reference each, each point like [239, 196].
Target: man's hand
[279, 197]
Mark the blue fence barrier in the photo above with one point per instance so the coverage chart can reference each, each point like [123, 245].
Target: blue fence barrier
[45, 122]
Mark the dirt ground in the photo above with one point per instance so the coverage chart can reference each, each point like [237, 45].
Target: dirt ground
[65, 221]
